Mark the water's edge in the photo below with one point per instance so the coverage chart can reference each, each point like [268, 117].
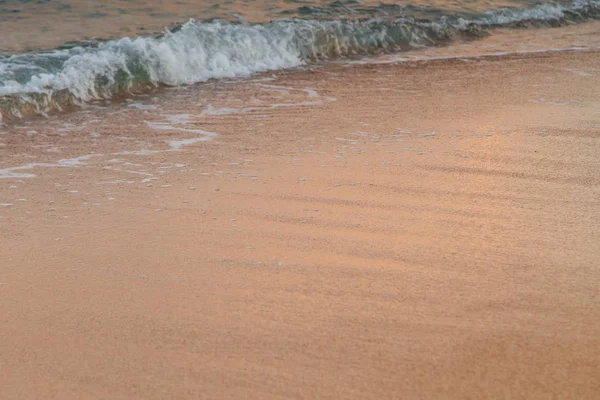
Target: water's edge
[40, 83]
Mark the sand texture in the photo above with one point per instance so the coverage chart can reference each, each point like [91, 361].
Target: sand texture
[418, 230]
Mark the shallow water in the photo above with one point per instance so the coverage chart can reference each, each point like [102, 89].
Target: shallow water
[176, 119]
[65, 58]
[50, 24]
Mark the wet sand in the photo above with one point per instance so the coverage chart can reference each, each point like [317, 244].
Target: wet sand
[426, 229]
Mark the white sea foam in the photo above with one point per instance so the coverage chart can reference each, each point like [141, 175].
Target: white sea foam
[177, 144]
[9, 173]
[199, 51]
[141, 106]
[196, 53]
[580, 73]
[396, 59]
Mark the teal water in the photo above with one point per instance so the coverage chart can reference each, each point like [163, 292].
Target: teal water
[232, 39]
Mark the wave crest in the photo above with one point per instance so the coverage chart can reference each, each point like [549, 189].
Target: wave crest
[196, 52]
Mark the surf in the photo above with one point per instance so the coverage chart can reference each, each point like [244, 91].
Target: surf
[42, 82]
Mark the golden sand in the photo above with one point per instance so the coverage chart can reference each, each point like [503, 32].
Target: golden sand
[417, 230]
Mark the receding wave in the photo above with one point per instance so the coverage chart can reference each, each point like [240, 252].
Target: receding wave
[199, 51]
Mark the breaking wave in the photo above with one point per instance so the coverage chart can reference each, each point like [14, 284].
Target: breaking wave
[199, 51]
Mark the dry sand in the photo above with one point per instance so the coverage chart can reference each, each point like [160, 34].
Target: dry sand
[415, 230]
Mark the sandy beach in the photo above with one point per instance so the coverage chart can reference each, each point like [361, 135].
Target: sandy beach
[417, 230]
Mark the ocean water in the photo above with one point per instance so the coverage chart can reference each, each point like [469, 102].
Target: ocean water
[76, 52]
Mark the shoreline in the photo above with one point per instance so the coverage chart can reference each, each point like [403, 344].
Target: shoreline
[578, 37]
[91, 21]
[424, 230]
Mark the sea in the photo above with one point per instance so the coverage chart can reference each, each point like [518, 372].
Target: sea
[61, 55]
